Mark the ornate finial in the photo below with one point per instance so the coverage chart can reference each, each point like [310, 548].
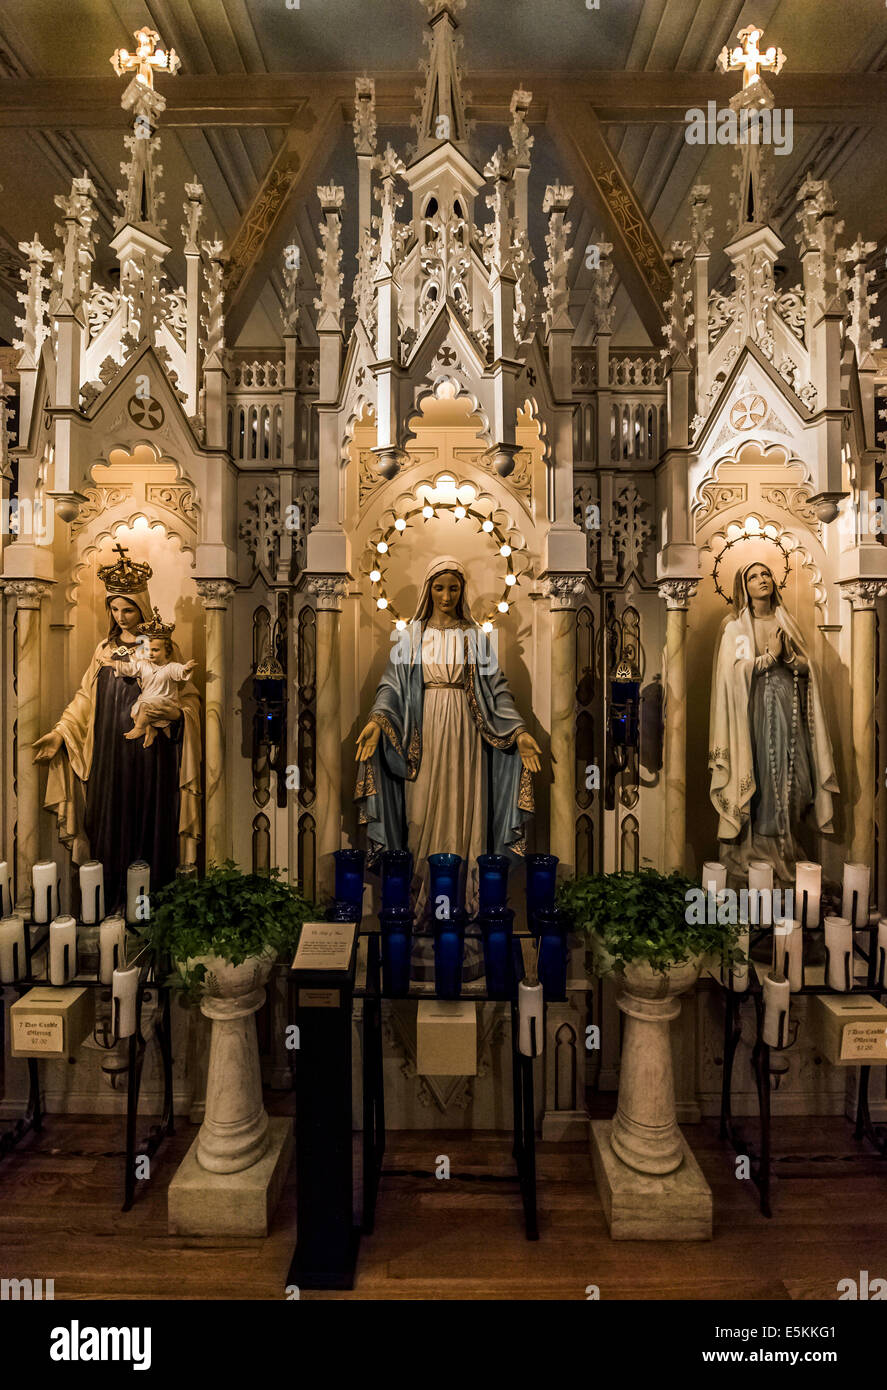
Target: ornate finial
[156, 627]
[521, 139]
[126, 576]
[862, 322]
[33, 324]
[147, 59]
[700, 217]
[443, 115]
[749, 57]
[364, 115]
[193, 210]
[557, 290]
[214, 298]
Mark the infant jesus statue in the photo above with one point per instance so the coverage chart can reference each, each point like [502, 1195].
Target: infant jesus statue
[159, 677]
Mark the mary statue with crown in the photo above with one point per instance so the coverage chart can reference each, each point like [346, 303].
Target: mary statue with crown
[114, 799]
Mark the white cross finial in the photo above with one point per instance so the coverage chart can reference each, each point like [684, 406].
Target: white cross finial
[750, 57]
[147, 59]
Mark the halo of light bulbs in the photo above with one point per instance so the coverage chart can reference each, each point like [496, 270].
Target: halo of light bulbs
[462, 511]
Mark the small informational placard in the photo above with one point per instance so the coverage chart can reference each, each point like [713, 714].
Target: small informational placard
[38, 1033]
[325, 946]
[864, 1042]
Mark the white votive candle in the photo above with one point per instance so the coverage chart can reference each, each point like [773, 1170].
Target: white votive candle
[12, 950]
[808, 887]
[760, 881]
[112, 948]
[124, 990]
[5, 890]
[857, 878]
[714, 877]
[45, 878]
[776, 1006]
[138, 883]
[92, 891]
[739, 973]
[62, 950]
[788, 953]
[530, 1012]
[839, 949]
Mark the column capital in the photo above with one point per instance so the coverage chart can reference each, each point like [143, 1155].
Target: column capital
[564, 590]
[215, 593]
[28, 593]
[328, 590]
[863, 593]
[678, 593]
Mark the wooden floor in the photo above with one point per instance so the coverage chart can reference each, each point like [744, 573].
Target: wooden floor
[60, 1217]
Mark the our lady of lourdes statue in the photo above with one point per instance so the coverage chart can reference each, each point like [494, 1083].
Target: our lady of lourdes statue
[770, 753]
[445, 757]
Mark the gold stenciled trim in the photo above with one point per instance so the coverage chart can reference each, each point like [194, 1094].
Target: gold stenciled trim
[366, 781]
[525, 798]
[413, 756]
[494, 740]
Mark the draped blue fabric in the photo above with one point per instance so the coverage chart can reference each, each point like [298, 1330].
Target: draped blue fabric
[398, 709]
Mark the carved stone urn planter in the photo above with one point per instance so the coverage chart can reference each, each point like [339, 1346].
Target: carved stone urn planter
[234, 1134]
[645, 1133]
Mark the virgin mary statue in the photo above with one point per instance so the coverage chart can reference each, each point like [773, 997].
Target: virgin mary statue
[113, 798]
[770, 753]
[445, 757]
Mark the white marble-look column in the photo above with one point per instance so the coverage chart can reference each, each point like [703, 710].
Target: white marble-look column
[564, 593]
[234, 1133]
[863, 594]
[328, 591]
[216, 594]
[677, 594]
[28, 595]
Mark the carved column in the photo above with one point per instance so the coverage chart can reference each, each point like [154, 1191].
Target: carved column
[564, 592]
[863, 594]
[328, 590]
[677, 594]
[28, 595]
[215, 594]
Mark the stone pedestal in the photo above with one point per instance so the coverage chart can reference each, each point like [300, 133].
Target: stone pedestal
[231, 1204]
[650, 1184]
[234, 1133]
[639, 1206]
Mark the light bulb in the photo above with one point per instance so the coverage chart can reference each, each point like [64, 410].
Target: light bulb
[487, 526]
[382, 547]
[503, 606]
[375, 576]
[428, 511]
[381, 603]
[488, 627]
[505, 550]
[400, 624]
[400, 524]
[459, 513]
[511, 579]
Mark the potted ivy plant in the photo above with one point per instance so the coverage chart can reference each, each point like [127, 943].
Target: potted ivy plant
[222, 933]
[640, 928]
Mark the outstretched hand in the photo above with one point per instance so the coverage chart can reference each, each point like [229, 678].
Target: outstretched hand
[530, 752]
[367, 741]
[46, 747]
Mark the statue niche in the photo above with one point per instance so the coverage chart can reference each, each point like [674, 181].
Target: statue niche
[446, 762]
[770, 753]
[119, 792]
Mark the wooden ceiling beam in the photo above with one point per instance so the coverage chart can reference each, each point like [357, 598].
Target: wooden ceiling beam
[272, 99]
[593, 168]
[257, 246]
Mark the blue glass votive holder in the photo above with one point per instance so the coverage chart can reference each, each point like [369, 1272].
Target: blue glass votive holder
[449, 948]
[445, 881]
[497, 929]
[552, 926]
[397, 944]
[349, 875]
[492, 881]
[344, 912]
[397, 878]
[541, 880]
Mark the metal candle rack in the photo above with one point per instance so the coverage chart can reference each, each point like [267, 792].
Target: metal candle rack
[864, 1127]
[32, 1120]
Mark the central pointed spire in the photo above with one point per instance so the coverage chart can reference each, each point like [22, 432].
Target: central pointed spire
[443, 115]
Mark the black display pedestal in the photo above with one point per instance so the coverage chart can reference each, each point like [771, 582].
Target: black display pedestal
[327, 1236]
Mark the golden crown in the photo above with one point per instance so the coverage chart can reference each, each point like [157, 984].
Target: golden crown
[126, 576]
[156, 627]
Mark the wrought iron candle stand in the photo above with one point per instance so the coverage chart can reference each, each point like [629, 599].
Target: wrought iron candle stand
[32, 1120]
[864, 1128]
